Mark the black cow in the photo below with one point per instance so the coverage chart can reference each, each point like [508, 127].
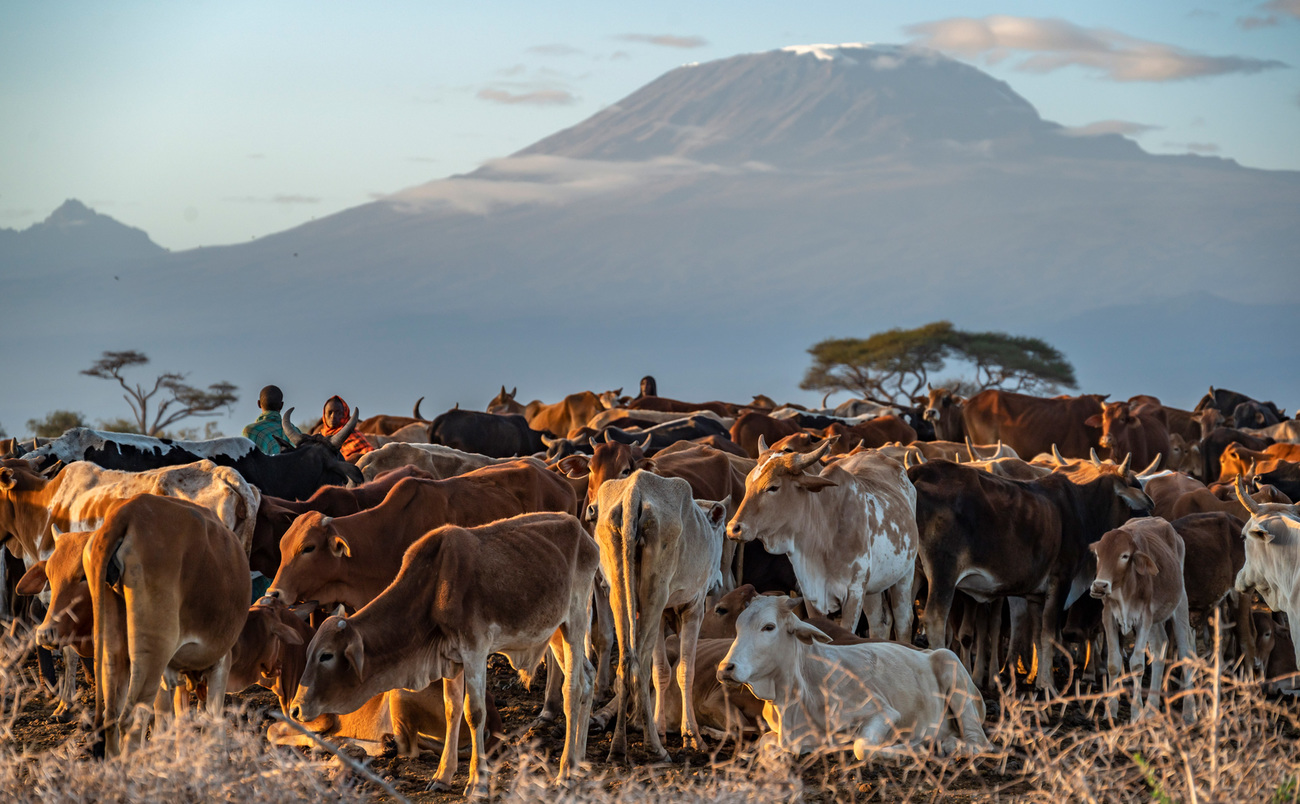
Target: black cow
[1285, 478]
[294, 474]
[651, 439]
[1255, 414]
[491, 434]
[1212, 448]
[999, 538]
[1227, 402]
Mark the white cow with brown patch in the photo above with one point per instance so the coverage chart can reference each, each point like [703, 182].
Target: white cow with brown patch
[850, 532]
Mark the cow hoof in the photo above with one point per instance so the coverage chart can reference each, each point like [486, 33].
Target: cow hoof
[63, 714]
[597, 725]
[438, 787]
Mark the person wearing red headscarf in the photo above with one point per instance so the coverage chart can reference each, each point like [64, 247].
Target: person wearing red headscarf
[334, 417]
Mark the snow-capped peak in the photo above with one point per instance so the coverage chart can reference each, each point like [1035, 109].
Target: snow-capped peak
[827, 52]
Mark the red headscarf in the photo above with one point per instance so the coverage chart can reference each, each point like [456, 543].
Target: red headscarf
[356, 444]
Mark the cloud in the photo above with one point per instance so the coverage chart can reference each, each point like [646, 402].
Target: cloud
[280, 198]
[546, 180]
[618, 55]
[507, 72]
[1251, 23]
[665, 40]
[1124, 127]
[1274, 13]
[1194, 147]
[537, 97]
[554, 50]
[17, 213]
[1047, 45]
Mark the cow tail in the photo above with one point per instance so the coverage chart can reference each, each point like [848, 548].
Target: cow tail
[103, 547]
[631, 576]
[434, 438]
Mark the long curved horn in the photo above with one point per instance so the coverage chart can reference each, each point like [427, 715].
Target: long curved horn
[1056, 455]
[416, 411]
[291, 434]
[1244, 498]
[594, 443]
[1092, 456]
[338, 438]
[1001, 452]
[804, 461]
[1152, 467]
[970, 449]
[907, 459]
[1123, 467]
[762, 444]
[645, 445]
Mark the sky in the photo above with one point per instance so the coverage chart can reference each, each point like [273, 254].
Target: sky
[210, 123]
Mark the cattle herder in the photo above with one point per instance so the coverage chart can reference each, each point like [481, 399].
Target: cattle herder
[334, 417]
[267, 432]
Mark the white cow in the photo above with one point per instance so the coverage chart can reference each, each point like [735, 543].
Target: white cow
[872, 697]
[1272, 565]
[660, 551]
[439, 461]
[850, 532]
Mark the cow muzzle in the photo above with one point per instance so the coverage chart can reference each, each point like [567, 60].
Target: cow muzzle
[1106, 441]
[1100, 589]
[727, 675]
[736, 531]
[931, 415]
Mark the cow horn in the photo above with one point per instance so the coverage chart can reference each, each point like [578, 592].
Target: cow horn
[594, 443]
[645, 445]
[928, 386]
[1123, 467]
[35, 445]
[291, 434]
[1244, 498]
[338, 438]
[548, 441]
[513, 391]
[762, 444]
[416, 411]
[825, 398]
[1056, 455]
[1001, 451]
[970, 449]
[803, 462]
[1152, 467]
[1092, 456]
[53, 469]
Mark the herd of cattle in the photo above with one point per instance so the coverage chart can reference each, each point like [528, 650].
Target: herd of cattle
[615, 538]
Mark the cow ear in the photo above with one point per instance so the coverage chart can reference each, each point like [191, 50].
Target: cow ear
[717, 511]
[1093, 421]
[339, 547]
[7, 479]
[33, 581]
[304, 610]
[355, 652]
[575, 466]
[1094, 547]
[1144, 564]
[285, 633]
[814, 482]
[1261, 534]
[806, 632]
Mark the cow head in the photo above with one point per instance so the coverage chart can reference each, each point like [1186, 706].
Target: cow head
[612, 399]
[334, 679]
[776, 495]
[768, 636]
[270, 635]
[1120, 563]
[943, 411]
[1113, 420]
[801, 442]
[1253, 414]
[69, 619]
[312, 555]
[504, 403]
[1271, 526]
[611, 460]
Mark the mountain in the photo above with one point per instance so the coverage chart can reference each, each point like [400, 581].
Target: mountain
[707, 229]
[74, 237]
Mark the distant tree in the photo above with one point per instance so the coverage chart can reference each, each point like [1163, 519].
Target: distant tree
[896, 365]
[177, 401]
[118, 425]
[55, 423]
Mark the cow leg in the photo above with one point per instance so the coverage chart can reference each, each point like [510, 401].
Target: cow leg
[662, 679]
[1114, 661]
[217, 678]
[1052, 609]
[877, 733]
[602, 642]
[900, 605]
[995, 642]
[1020, 657]
[853, 607]
[652, 655]
[67, 685]
[691, 620]
[475, 676]
[937, 605]
[453, 707]
[1185, 644]
[555, 680]
[1158, 647]
[1137, 665]
[624, 677]
[982, 659]
[567, 644]
[963, 641]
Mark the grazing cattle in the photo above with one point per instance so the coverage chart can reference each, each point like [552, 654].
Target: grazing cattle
[660, 552]
[1202, 501]
[1140, 582]
[515, 587]
[1272, 565]
[1286, 478]
[872, 434]
[993, 538]
[350, 559]
[1139, 431]
[438, 461]
[850, 533]
[485, 433]
[1275, 652]
[870, 697]
[753, 425]
[169, 585]
[1030, 425]
[385, 425]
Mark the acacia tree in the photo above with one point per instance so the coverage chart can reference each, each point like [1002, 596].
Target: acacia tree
[177, 401]
[896, 365]
[55, 423]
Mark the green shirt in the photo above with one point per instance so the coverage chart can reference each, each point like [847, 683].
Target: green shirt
[264, 431]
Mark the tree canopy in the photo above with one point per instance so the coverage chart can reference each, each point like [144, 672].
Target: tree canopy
[55, 423]
[178, 401]
[897, 364]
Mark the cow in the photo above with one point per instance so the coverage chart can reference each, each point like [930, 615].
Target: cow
[68, 617]
[663, 403]
[1030, 425]
[753, 425]
[485, 433]
[350, 559]
[1202, 501]
[515, 586]
[1214, 445]
[870, 696]
[504, 404]
[1239, 460]
[611, 417]
[1140, 583]
[1272, 565]
[169, 584]
[943, 410]
[1286, 478]
[993, 538]
[850, 533]
[1139, 431]
[1287, 432]
[1184, 456]
[1165, 488]
[271, 648]
[385, 425]
[1227, 402]
[1274, 652]
[438, 461]
[660, 552]
[875, 433]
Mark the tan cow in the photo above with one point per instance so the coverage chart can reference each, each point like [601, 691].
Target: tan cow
[1272, 565]
[439, 461]
[660, 551]
[169, 585]
[570, 413]
[515, 587]
[68, 617]
[1140, 583]
[870, 697]
[850, 533]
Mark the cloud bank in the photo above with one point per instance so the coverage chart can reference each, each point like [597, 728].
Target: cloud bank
[1046, 45]
[666, 40]
[1272, 13]
[537, 97]
[1125, 127]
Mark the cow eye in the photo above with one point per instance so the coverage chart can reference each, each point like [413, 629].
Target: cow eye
[770, 627]
[720, 611]
[326, 657]
[625, 473]
[1124, 557]
[773, 489]
[311, 548]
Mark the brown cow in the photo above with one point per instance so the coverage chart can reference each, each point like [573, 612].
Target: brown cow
[1031, 425]
[752, 425]
[1165, 488]
[1203, 501]
[169, 584]
[351, 559]
[1138, 431]
[515, 586]
[1140, 581]
[943, 409]
[871, 434]
[504, 404]
[1239, 460]
[385, 425]
[665, 404]
[568, 414]
[1275, 652]
[69, 616]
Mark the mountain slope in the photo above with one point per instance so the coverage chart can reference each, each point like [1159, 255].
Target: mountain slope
[73, 237]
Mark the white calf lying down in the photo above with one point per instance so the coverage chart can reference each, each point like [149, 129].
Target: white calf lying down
[871, 697]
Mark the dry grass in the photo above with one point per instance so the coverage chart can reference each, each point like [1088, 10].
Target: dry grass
[1241, 748]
